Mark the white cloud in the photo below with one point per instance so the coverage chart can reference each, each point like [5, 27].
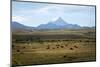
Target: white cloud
[50, 8]
[17, 18]
[45, 9]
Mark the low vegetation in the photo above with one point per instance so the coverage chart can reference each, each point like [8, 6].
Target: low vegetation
[53, 46]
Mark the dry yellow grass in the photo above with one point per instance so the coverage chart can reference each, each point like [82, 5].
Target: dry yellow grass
[35, 53]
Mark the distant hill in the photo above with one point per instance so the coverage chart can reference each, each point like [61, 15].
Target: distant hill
[58, 24]
[20, 27]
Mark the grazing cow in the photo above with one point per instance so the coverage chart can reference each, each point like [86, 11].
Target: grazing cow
[64, 56]
[53, 48]
[71, 48]
[75, 46]
[57, 47]
[48, 47]
[62, 46]
[18, 50]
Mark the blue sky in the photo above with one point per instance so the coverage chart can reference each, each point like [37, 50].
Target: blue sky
[34, 14]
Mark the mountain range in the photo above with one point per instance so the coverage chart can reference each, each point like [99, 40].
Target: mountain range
[57, 24]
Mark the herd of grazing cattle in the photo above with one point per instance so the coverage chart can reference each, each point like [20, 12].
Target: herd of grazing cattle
[48, 47]
[61, 46]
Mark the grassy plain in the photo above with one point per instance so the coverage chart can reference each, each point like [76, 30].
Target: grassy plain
[53, 46]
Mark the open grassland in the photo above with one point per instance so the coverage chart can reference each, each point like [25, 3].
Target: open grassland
[53, 46]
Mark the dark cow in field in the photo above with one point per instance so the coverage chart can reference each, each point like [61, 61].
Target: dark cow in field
[53, 48]
[57, 47]
[66, 45]
[76, 46]
[18, 50]
[64, 56]
[71, 48]
[62, 46]
[48, 47]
